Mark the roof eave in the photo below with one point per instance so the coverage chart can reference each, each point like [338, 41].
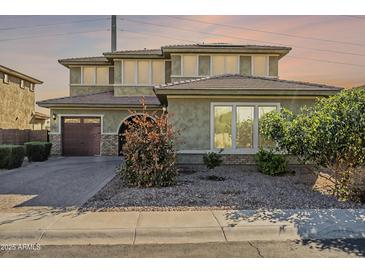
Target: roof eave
[256, 92]
[20, 75]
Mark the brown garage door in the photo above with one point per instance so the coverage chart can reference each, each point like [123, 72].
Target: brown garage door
[81, 136]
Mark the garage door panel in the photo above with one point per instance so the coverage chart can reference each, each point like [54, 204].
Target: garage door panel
[81, 136]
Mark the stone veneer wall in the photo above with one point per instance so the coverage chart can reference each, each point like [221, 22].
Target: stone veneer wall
[55, 139]
[16, 104]
[109, 144]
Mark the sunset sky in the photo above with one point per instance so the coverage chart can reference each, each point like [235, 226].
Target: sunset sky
[335, 44]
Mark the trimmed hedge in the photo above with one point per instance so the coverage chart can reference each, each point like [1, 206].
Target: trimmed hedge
[270, 163]
[11, 156]
[38, 151]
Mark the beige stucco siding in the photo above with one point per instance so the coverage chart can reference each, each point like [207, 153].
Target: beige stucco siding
[191, 117]
[76, 90]
[16, 105]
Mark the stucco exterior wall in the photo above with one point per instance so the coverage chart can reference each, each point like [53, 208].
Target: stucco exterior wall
[16, 106]
[133, 90]
[191, 117]
[76, 90]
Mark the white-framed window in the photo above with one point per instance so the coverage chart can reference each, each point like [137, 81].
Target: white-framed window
[235, 126]
[90, 75]
[143, 72]
[32, 86]
[6, 78]
[22, 84]
[225, 64]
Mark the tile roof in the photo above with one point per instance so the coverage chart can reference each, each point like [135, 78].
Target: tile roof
[102, 98]
[138, 52]
[78, 60]
[237, 81]
[224, 45]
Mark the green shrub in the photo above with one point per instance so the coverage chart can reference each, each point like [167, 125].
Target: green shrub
[212, 159]
[270, 163]
[38, 151]
[330, 134]
[11, 156]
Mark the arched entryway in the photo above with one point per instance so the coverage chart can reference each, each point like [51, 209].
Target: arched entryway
[122, 128]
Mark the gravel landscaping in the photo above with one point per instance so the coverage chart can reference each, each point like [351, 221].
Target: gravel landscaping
[242, 188]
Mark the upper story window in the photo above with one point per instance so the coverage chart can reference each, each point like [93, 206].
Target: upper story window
[32, 86]
[22, 84]
[143, 72]
[91, 75]
[6, 78]
[189, 65]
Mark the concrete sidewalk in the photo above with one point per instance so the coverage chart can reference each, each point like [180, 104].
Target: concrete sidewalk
[171, 227]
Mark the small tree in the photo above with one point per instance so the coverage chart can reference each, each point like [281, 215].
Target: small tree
[330, 134]
[149, 150]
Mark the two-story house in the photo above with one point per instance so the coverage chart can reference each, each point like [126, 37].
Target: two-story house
[216, 92]
[17, 102]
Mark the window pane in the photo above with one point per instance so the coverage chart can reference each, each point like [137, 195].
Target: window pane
[190, 65]
[260, 65]
[143, 72]
[223, 127]
[262, 141]
[102, 75]
[218, 64]
[111, 75]
[91, 120]
[231, 64]
[245, 65]
[176, 64]
[158, 72]
[72, 120]
[244, 127]
[273, 65]
[128, 72]
[204, 65]
[75, 75]
[89, 75]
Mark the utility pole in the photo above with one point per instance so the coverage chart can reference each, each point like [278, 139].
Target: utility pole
[114, 33]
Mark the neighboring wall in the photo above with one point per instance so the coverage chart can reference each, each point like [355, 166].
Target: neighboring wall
[16, 104]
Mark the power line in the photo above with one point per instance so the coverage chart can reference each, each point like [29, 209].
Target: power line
[293, 57]
[51, 35]
[240, 38]
[54, 24]
[271, 32]
[163, 36]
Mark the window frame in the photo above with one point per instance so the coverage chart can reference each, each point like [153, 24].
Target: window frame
[95, 77]
[150, 72]
[22, 84]
[32, 86]
[255, 139]
[267, 57]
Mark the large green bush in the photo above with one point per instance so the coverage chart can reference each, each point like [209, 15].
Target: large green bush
[270, 163]
[149, 151]
[11, 156]
[330, 134]
[38, 151]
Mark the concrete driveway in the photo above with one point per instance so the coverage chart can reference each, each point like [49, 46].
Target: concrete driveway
[58, 182]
